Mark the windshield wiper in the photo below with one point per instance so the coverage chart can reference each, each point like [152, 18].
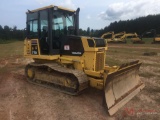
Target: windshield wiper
[68, 17]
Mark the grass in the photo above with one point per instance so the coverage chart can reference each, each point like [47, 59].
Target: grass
[112, 62]
[153, 89]
[133, 49]
[3, 70]
[147, 75]
[2, 41]
[150, 54]
[118, 54]
[146, 40]
[5, 41]
[154, 65]
[10, 49]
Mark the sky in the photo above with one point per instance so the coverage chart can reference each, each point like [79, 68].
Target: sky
[95, 14]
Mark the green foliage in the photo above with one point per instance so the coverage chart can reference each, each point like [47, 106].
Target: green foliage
[88, 31]
[8, 34]
[139, 25]
[148, 40]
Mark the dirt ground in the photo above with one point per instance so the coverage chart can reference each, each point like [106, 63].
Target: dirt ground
[20, 100]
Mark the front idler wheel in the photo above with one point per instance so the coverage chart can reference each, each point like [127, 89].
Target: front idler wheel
[29, 72]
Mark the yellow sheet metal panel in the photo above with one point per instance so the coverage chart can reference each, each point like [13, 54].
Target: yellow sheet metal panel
[86, 46]
[67, 9]
[43, 57]
[111, 69]
[98, 74]
[136, 39]
[96, 83]
[51, 6]
[27, 47]
[94, 57]
[89, 60]
[78, 61]
[157, 39]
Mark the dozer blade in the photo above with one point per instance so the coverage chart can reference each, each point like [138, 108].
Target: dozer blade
[122, 85]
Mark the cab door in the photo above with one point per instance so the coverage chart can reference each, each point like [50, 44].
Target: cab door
[44, 32]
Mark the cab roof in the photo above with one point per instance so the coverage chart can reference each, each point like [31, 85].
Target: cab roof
[51, 6]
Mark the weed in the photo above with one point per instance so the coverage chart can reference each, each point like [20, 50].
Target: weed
[150, 54]
[2, 41]
[147, 75]
[4, 70]
[112, 62]
[11, 49]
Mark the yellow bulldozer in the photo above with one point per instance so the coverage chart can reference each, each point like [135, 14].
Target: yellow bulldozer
[118, 37]
[135, 38]
[156, 37]
[70, 63]
[108, 36]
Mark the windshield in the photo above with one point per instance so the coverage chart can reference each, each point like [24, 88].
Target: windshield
[62, 22]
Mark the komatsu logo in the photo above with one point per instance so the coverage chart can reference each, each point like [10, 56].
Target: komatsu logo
[76, 53]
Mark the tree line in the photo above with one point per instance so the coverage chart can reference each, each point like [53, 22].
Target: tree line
[8, 33]
[139, 25]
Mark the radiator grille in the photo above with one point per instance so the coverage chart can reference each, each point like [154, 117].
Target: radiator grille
[99, 61]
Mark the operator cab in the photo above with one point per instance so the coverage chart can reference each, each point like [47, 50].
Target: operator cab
[50, 25]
